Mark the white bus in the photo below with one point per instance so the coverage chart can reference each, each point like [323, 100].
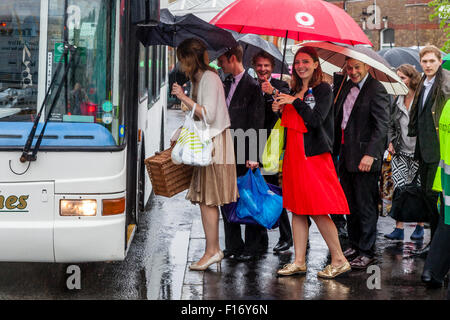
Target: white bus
[72, 178]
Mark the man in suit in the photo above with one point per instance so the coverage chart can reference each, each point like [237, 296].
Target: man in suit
[431, 95]
[263, 64]
[360, 140]
[246, 108]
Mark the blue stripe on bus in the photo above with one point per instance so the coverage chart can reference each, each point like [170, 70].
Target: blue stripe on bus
[57, 134]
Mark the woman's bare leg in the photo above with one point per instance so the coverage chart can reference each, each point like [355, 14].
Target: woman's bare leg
[210, 221]
[300, 230]
[329, 233]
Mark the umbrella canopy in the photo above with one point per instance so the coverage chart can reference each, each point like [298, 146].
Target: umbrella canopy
[172, 30]
[333, 60]
[446, 62]
[294, 19]
[252, 44]
[399, 55]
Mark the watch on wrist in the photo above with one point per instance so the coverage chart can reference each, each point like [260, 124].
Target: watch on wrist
[274, 92]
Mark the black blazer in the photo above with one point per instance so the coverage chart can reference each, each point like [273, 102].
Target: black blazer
[367, 126]
[422, 123]
[319, 121]
[272, 117]
[246, 111]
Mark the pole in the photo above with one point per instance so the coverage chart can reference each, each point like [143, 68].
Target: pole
[284, 55]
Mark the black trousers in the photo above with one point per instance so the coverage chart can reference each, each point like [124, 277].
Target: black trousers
[284, 225]
[438, 258]
[256, 238]
[427, 172]
[361, 190]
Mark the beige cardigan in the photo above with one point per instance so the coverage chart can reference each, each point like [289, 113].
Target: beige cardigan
[211, 95]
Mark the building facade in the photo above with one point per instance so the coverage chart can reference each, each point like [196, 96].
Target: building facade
[399, 23]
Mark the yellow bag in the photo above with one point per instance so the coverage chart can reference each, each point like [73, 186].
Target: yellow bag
[272, 157]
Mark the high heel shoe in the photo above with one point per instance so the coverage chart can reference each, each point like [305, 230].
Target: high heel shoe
[217, 258]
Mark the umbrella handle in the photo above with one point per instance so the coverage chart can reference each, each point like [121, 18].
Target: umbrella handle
[339, 91]
[284, 55]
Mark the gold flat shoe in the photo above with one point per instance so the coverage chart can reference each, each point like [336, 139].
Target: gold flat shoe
[217, 258]
[291, 269]
[331, 272]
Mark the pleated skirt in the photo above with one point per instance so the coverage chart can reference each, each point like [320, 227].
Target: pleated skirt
[216, 184]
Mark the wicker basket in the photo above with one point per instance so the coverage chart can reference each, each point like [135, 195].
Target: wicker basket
[167, 178]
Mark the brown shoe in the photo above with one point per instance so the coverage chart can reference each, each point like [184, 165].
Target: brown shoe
[331, 272]
[350, 254]
[291, 269]
[361, 262]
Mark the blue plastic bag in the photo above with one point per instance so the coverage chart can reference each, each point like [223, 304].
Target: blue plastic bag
[229, 210]
[257, 200]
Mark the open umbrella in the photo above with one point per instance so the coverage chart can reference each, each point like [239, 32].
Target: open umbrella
[333, 60]
[294, 19]
[399, 55]
[252, 44]
[172, 30]
[446, 62]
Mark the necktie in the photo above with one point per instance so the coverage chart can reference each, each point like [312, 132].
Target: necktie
[231, 91]
[348, 104]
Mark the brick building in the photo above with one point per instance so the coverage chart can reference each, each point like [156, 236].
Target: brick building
[403, 23]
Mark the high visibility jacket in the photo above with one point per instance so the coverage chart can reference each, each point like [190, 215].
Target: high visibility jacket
[442, 179]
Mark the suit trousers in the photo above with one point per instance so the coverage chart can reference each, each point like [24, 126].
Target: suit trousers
[256, 238]
[438, 258]
[427, 172]
[361, 190]
[284, 225]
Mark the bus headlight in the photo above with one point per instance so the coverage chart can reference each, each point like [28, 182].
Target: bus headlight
[78, 207]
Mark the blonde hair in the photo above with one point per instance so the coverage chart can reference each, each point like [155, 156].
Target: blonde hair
[194, 57]
[430, 49]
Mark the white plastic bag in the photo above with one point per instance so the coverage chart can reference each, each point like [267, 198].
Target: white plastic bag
[194, 146]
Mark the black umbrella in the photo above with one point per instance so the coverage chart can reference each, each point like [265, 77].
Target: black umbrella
[399, 55]
[252, 44]
[172, 30]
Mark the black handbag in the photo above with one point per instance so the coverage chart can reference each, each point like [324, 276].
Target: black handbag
[409, 204]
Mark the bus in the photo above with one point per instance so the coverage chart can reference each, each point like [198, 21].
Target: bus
[82, 104]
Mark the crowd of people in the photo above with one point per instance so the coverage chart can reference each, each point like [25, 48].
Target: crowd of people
[336, 135]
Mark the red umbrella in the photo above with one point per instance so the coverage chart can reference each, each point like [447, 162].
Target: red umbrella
[295, 19]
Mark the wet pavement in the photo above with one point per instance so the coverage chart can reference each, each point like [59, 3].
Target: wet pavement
[399, 270]
[170, 237]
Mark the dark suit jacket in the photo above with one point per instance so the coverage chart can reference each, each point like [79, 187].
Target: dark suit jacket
[246, 111]
[366, 130]
[272, 117]
[425, 121]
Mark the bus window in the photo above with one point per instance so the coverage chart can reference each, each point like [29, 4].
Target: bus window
[143, 73]
[19, 53]
[85, 103]
[151, 65]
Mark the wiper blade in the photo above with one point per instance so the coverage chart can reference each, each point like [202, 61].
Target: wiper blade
[27, 154]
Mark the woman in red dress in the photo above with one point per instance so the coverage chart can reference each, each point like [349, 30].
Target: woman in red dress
[310, 183]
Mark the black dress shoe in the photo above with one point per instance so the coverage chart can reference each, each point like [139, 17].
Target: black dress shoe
[229, 253]
[430, 281]
[245, 257]
[361, 262]
[282, 246]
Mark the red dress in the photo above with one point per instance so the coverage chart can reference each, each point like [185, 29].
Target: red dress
[310, 184]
